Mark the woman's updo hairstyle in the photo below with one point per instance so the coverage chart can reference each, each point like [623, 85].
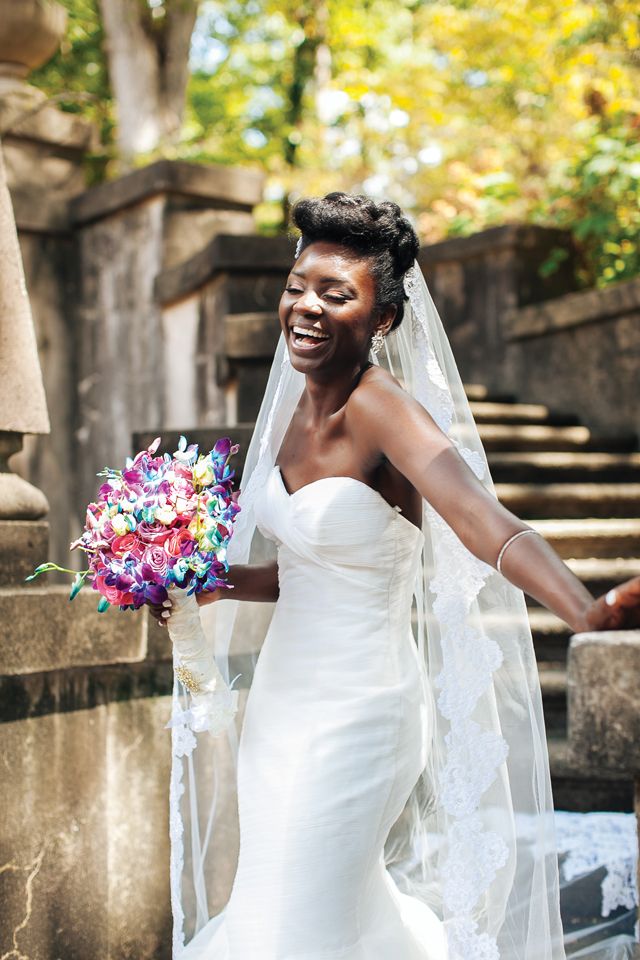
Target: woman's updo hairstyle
[377, 231]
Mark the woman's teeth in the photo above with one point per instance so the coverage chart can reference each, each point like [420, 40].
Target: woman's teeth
[309, 333]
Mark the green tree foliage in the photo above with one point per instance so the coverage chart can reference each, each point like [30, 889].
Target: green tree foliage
[77, 78]
[469, 113]
[596, 194]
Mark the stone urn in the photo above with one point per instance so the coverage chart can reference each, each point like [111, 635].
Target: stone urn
[30, 33]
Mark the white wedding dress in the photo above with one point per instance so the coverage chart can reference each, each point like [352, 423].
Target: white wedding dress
[335, 735]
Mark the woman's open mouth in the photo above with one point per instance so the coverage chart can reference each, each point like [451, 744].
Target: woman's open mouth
[306, 338]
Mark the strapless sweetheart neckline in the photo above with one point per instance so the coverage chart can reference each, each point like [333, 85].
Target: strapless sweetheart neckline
[396, 510]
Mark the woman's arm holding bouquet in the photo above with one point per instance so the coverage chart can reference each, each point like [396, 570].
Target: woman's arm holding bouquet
[248, 581]
[409, 438]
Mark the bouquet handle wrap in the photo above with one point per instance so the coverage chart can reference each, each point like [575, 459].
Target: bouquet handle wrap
[213, 704]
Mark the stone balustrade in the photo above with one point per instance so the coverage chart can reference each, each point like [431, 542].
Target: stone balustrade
[603, 694]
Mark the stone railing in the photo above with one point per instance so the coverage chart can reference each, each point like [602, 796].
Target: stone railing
[603, 687]
[84, 698]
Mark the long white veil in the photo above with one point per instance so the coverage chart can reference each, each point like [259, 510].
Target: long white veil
[476, 841]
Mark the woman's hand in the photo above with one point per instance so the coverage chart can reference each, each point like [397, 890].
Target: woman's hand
[617, 610]
[162, 611]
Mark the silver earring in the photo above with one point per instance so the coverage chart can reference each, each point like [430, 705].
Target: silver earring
[377, 342]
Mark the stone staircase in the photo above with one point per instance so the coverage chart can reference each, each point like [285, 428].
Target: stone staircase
[583, 495]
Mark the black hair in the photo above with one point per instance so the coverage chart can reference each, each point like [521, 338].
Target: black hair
[378, 231]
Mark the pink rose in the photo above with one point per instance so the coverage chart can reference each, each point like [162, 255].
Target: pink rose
[172, 545]
[153, 532]
[157, 558]
[112, 594]
[127, 544]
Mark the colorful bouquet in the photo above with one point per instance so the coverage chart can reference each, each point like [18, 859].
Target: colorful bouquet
[162, 522]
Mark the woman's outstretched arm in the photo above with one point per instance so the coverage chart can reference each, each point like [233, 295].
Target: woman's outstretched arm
[402, 431]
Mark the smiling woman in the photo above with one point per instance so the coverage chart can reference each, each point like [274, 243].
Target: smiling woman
[375, 823]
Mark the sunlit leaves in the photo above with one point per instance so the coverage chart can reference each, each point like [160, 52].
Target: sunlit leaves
[469, 113]
[79, 69]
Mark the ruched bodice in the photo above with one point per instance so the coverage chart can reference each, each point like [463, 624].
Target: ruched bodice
[346, 566]
[334, 738]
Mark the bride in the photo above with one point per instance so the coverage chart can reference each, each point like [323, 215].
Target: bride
[393, 784]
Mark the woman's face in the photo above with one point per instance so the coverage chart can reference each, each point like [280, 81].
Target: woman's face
[328, 310]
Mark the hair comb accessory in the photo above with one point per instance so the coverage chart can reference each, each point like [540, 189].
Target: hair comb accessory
[298, 247]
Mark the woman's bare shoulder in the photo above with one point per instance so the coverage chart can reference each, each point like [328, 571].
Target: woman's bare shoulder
[379, 400]
[376, 386]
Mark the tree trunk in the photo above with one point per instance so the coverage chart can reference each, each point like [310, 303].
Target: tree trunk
[148, 57]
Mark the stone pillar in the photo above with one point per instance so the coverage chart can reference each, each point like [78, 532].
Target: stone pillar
[43, 149]
[603, 699]
[637, 810]
[23, 408]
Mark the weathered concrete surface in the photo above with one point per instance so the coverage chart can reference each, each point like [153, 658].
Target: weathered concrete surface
[188, 231]
[570, 500]
[138, 763]
[49, 462]
[24, 545]
[245, 255]
[572, 310]
[41, 630]
[84, 844]
[604, 700]
[473, 280]
[560, 352]
[120, 337]
[582, 539]
[590, 368]
[43, 148]
[20, 500]
[23, 406]
[251, 335]
[30, 31]
[227, 188]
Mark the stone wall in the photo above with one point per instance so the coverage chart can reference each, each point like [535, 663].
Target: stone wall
[580, 353]
[537, 338]
[84, 771]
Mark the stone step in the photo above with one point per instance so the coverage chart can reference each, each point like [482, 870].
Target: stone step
[508, 413]
[600, 574]
[570, 500]
[563, 467]
[498, 410]
[475, 391]
[529, 437]
[553, 684]
[550, 636]
[594, 537]
[580, 790]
